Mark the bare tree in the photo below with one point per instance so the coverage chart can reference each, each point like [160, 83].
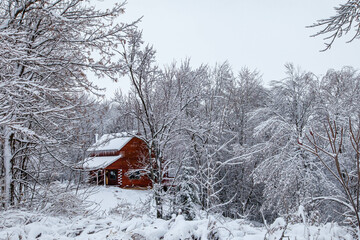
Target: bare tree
[45, 48]
[159, 100]
[287, 171]
[340, 155]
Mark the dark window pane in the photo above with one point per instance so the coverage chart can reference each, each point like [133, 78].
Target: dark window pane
[134, 175]
[112, 175]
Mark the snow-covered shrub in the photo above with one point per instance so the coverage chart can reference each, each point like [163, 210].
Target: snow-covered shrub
[67, 204]
[59, 199]
[126, 210]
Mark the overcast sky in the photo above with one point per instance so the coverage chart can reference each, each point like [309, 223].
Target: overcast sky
[259, 34]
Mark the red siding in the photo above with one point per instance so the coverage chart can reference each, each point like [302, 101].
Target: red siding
[134, 156]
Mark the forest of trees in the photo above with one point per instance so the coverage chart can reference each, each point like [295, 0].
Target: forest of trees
[235, 146]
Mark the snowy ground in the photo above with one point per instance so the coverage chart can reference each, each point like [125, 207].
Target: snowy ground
[105, 199]
[123, 214]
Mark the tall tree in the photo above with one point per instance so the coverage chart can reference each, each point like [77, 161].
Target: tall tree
[340, 95]
[246, 95]
[340, 156]
[45, 49]
[288, 173]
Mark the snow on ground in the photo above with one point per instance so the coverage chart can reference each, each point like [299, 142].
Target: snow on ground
[124, 214]
[104, 199]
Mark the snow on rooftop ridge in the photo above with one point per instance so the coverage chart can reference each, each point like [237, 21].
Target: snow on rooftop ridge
[117, 135]
[112, 141]
[99, 162]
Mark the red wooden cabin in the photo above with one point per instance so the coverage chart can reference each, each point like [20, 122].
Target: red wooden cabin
[118, 159]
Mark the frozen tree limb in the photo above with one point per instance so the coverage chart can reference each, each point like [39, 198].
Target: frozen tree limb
[347, 18]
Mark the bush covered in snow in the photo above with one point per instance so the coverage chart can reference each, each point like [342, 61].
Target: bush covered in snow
[123, 216]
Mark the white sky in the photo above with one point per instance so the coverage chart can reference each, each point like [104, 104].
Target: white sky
[259, 34]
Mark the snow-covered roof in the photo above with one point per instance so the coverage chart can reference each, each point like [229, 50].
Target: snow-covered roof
[111, 142]
[99, 162]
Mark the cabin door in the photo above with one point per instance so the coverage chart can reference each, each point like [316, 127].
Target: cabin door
[113, 177]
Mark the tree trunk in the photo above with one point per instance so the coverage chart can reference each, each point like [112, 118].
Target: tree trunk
[7, 166]
[158, 203]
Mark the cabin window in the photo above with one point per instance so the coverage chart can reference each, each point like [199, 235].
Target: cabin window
[112, 175]
[133, 175]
